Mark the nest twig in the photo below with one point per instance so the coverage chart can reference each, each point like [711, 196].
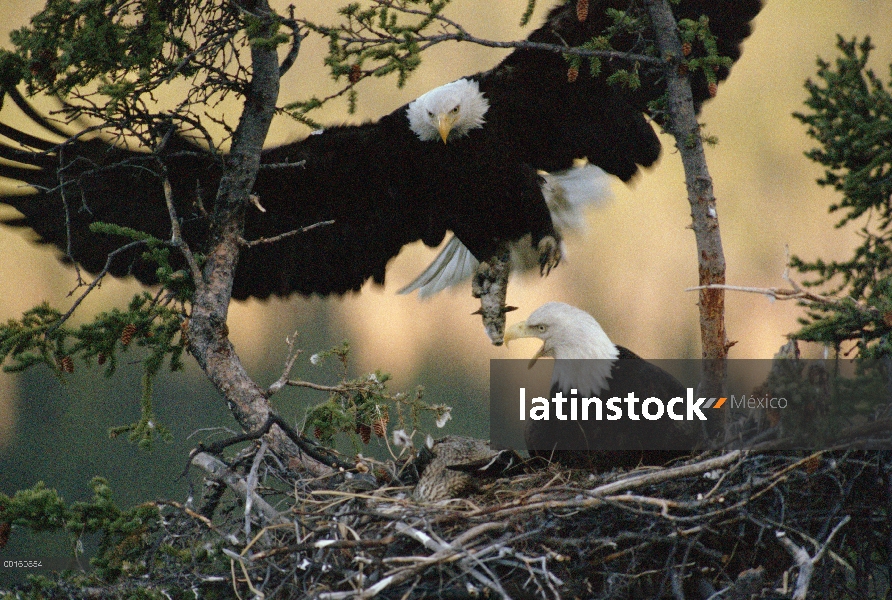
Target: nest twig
[724, 526]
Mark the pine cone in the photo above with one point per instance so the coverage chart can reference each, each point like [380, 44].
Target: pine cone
[317, 432]
[365, 433]
[66, 363]
[713, 89]
[582, 10]
[380, 425]
[686, 48]
[184, 333]
[355, 73]
[572, 74]
[101, 358]
[127, 334]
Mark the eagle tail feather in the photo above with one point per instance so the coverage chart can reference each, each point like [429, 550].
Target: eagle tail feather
[453, 264]
[570, 192]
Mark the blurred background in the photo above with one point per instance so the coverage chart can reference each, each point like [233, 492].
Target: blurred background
[630, 269]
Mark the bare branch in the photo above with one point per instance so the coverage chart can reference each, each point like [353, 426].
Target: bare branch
[772, 292]
[666, 474]
[246, 244]
[251, 484]
[96, 281]
[320, 454]
[176, 236]
[285, 165]
[296, 39]
[67, 209]
[289, 364]
[805, 562]
[344, 387]
[218, 470]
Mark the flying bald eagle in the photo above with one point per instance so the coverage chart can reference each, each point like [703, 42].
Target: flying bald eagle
[384, 184]
[567, 195]
[588, 364]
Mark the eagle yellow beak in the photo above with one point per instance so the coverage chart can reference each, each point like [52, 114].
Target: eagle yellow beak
[517, 331]
[522, 330]
[444, 125]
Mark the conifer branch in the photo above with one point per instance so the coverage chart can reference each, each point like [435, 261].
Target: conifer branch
[96, 281]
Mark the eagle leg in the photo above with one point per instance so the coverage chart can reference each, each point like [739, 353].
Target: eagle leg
[490, 284]
[550, 254]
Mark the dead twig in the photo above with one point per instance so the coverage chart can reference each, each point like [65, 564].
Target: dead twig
[277, 238]
[217, 469]
[805, 562]
[289, 365]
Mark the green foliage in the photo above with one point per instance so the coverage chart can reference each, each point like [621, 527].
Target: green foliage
[161, 539]
[123, 532]
[624, 24]
[822, 400]
[357, 407]
[625, 78]
[257, 33]
[395, 24]
[121, 46]
[25, 342]
[851, 119]
[596, 43]
[71, 44]
[112, 60]
[143, 431]
[42, 336]
[691, 31]
[527, 13]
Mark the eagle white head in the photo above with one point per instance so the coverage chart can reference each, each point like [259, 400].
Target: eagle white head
[449, 111]
[570, 333]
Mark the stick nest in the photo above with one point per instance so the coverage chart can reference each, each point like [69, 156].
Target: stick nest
[721, 526]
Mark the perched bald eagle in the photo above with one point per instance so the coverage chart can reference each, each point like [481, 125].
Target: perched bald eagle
[384, 184]
[588, 364]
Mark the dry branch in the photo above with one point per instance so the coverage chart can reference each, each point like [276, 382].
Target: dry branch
[217, 469]
[804, 561]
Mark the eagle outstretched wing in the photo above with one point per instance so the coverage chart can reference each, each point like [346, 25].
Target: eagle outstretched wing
[381, 185]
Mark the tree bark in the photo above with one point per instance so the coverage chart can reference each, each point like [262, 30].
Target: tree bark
[682, 124]
[208, 331]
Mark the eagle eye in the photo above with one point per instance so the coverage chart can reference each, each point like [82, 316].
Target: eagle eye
[454, 110]
[430, 113]
[541, 328]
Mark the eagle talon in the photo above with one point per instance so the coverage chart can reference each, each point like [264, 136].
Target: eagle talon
[549, 249]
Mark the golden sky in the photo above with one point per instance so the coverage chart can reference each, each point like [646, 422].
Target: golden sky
[629, 270]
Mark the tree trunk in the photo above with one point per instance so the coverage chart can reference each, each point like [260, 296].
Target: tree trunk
[682, 124]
